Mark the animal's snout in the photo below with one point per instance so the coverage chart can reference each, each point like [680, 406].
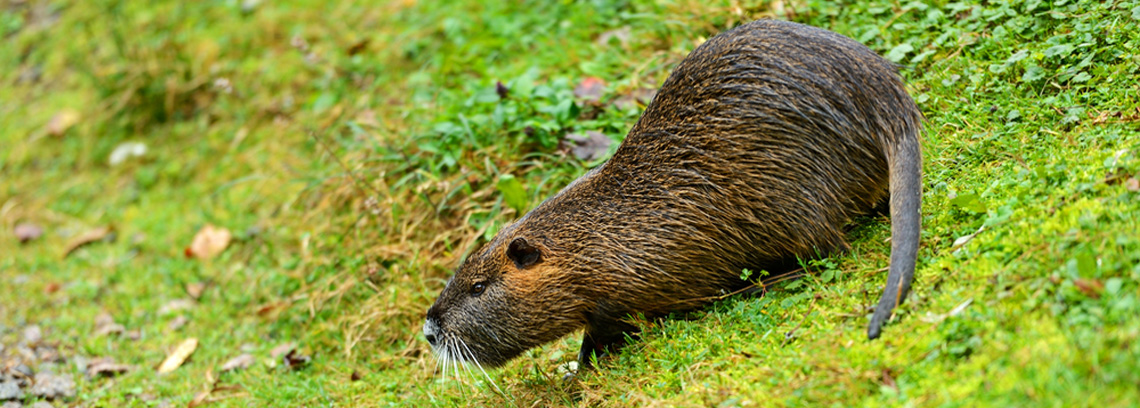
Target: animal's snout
[431, 331]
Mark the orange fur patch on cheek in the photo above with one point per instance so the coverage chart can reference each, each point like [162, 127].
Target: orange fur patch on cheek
[526, 282]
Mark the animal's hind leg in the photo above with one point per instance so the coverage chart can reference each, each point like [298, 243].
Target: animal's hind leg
[597, 343]
[792, 268]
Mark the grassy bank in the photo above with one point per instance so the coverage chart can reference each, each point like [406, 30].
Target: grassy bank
[355, 151]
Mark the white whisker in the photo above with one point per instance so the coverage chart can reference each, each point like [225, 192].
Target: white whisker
[458, 362]
[477, 364]
[446, 352]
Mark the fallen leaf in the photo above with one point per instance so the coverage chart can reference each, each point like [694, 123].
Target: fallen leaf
[358, 47]
[105, 325]
[26, 231]
[1132, 185]
[889, 380]
[178, 356]
[177, 323]
[175, 306]
[241, 362]
[270, 310]
[199, 399]
[215, 393]
[294, 360]
[105, 367]
[209, 242]
[52, 287]
[195, 289]
[1090, 287]
[356, 376]
[88, 237]
[590, 89]
[62, 121]
[48, 354]
[587, 147]
[282, 349]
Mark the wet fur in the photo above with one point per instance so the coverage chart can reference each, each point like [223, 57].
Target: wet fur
[758, 149]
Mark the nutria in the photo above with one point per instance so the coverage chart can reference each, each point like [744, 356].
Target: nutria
[758, 149]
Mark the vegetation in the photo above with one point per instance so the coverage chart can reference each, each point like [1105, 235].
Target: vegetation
[357, 150]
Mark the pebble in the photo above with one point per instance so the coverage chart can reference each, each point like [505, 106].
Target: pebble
[33, 335]
[53, 386]
[9, 390]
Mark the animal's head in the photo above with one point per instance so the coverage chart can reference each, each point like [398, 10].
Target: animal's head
[509, 296]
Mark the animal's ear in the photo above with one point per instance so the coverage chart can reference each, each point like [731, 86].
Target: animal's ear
[523, 253]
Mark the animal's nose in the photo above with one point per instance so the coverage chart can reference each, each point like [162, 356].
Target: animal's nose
[431, 330]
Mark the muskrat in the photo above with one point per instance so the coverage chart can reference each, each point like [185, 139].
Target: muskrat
[757, 150]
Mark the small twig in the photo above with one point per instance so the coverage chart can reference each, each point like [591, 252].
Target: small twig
[788, 336]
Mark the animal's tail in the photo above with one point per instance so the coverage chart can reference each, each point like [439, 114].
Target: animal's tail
[905, 161]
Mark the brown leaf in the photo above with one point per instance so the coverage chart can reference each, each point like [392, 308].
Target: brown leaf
[195, 289]
[241, 362]
[1132, 184]
[209, 242]
[178, 356]
[215, 393]
[105, 325]
[62, 121]
[356, 376]
[88, 237]
[105, 367]
[587, 147]
[889, 380]
[294, 360]
[1090, 287]
[270, 310]
[590, 89]
[199, 399]
[26, 231]
[52, 287]
[282, 350]
[358, 47]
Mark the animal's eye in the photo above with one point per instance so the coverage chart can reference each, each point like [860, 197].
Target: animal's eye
[477, 288]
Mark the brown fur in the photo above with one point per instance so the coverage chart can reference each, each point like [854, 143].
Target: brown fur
[762, 144]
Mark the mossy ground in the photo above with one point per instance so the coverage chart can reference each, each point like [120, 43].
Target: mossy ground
[356, 150]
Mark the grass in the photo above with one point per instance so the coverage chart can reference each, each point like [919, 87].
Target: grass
[357, 150]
